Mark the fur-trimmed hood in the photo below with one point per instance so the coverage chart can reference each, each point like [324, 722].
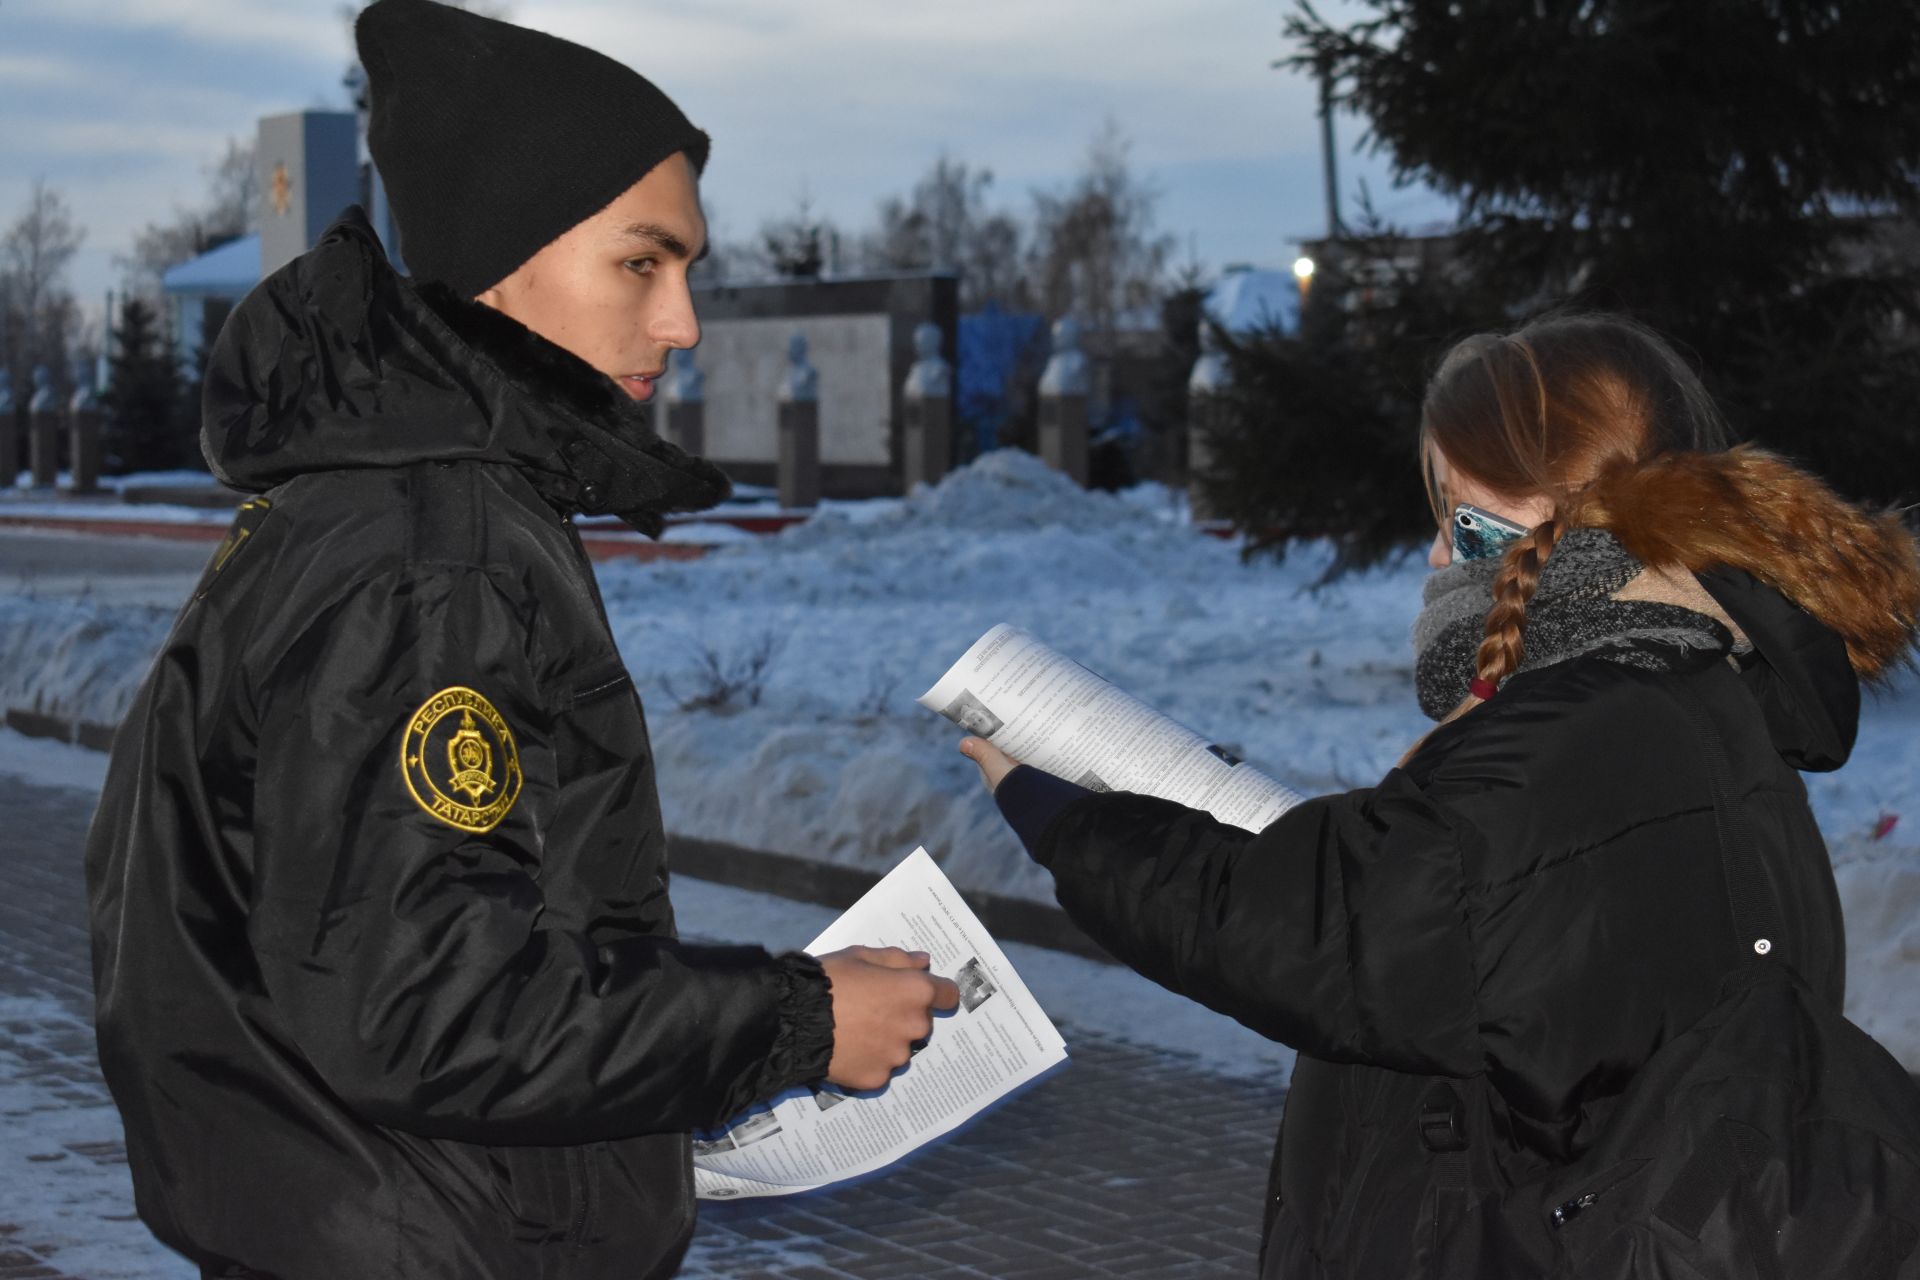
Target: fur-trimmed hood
[1855, 571]
[335, 362]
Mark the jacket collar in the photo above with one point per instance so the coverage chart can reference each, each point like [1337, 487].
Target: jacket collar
[335, 361]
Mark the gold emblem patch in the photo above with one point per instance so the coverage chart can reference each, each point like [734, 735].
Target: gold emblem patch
[459, 760]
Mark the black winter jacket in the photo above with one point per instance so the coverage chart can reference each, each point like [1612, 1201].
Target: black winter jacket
[1524, 913]
[387, 975]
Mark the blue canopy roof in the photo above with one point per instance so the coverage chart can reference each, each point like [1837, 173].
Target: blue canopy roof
[226, 272]
[1252, 299]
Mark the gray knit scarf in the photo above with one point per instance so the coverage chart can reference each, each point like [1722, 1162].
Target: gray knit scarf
[1572, 613]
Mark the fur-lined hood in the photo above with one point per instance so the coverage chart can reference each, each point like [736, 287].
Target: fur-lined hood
[335, 361]
[1855, 571]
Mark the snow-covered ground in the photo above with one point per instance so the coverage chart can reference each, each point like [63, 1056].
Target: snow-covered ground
[191, 479]
[827, 755]
[64, 1188]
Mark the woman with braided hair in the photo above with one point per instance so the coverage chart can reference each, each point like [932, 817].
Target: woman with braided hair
[1476, 955]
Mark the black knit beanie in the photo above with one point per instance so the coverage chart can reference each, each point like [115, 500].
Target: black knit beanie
[494, 140]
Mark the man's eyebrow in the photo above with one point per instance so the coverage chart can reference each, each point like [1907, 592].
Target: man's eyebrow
[664, 240]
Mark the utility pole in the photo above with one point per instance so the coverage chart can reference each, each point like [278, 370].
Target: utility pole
[1323, 72]
[1323, 69]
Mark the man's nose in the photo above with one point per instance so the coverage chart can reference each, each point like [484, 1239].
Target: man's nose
[675, 324]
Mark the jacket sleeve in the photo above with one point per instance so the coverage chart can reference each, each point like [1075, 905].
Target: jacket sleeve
[417, 929]
[1338, 930]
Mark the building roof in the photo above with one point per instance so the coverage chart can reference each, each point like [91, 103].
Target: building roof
[1252, 299]
[226, 272]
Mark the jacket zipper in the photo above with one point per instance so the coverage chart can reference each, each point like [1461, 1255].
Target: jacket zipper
[1565, 1213]
[577, 1176]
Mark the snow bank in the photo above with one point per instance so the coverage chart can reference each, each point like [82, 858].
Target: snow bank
[868, 606]
[1880, 895]
[76, 657]
[98, 509]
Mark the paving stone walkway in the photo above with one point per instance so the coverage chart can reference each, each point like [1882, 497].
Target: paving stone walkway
[1127, 1162]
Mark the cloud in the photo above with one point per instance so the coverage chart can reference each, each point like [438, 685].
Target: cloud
[140, 141]
[122, 102]
[223, 24]
[19, 70]
[851, 100]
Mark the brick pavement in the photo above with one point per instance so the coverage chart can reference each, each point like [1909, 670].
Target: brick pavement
[1128, 1162]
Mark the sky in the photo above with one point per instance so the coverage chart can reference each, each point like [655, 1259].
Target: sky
[122, 104]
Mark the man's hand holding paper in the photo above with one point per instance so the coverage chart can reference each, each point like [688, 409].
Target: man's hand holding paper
[883, 1003]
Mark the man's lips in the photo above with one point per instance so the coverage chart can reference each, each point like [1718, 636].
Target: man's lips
[640, 385]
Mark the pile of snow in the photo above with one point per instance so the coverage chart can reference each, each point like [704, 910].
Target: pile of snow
[76, 657]
[38, 504]
[191, 478]
[1880, 897]
[866, 609]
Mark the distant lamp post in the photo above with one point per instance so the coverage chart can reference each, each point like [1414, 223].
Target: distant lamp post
[1303, 268]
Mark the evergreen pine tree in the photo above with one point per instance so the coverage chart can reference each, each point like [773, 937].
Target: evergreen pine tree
[1318, 430]
[186, 409]
[1743, 177]
[143, 391]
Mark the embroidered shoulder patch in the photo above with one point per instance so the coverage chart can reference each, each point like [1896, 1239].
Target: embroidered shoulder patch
[246, 520]
[459, 760]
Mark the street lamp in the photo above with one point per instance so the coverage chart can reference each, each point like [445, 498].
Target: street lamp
[1303, 268]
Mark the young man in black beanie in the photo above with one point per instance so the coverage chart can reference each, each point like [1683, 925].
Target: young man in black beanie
[388, 984]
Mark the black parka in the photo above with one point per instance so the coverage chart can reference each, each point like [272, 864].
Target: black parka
[387, 975]
[1521, 916]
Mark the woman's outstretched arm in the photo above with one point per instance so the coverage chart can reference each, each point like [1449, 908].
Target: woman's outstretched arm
[1339, 930]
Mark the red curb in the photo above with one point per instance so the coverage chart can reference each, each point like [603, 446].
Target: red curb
[616, 548]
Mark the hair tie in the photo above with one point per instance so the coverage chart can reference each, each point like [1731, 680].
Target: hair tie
[1482, 689]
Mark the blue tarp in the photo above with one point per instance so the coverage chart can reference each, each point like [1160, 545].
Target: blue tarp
[994, 346]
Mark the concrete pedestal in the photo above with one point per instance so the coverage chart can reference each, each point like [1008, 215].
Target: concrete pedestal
[1063, 434]
[800, 454]
[83, 447]
[927, 442]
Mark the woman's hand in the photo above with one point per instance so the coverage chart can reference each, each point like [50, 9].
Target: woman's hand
[994, 763]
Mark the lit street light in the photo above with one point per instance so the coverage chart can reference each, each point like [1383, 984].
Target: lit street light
[1303, 272]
